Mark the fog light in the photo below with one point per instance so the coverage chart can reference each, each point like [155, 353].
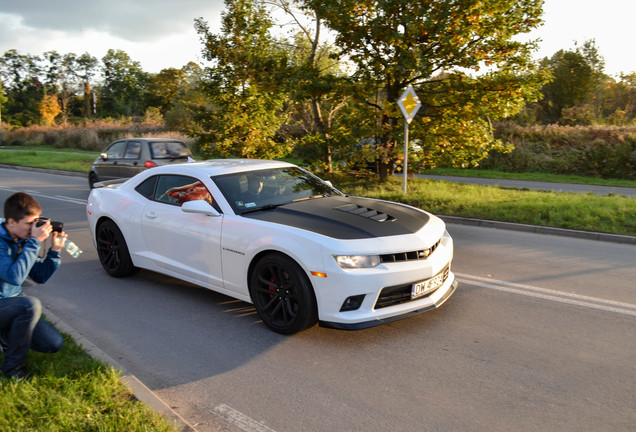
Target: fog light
[352, 303]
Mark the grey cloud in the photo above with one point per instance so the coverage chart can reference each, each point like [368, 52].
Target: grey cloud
[133, 20]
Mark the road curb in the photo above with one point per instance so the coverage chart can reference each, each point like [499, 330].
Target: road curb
[139, 390]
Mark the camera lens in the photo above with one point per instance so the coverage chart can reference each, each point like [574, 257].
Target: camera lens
[41, 221]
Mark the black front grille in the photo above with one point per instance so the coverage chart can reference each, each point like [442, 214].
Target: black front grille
[411, 255]
[395, 295]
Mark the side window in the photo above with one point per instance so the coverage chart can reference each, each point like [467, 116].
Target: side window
[147, 188]
[168, 150]
[116, 150]
[133, 151]
[176, 190]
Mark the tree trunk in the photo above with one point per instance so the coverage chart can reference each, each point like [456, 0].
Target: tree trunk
[87, 99]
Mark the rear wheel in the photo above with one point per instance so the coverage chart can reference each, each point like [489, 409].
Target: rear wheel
[282, 294]
[113, 251]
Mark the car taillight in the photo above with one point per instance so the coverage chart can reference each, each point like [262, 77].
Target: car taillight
[150, 164]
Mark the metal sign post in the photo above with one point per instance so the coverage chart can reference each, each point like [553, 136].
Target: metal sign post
[409, 104]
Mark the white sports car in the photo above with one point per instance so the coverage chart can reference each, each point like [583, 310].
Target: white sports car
[273, 234]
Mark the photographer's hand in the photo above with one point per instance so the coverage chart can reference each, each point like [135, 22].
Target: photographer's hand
[58, 241]
[41, 232]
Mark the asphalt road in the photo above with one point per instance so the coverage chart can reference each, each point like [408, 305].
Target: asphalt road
[539, 336]
[535, 185]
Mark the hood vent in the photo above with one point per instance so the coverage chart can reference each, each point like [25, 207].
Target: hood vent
[366, 213]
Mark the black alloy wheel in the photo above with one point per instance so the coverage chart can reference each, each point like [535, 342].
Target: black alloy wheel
[113, 251]
[282, 294]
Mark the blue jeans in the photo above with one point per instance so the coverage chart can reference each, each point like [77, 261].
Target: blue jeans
[23, 329]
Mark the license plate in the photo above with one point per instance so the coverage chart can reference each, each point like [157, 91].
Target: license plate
[423, 288]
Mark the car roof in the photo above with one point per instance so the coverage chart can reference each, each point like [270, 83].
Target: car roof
[150, 139]
[220, 166]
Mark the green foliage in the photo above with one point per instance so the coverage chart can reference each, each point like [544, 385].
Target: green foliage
[607, 152]
[244, 97]
[575, 76]
[72, 392]
[432, 44]
[124, 84]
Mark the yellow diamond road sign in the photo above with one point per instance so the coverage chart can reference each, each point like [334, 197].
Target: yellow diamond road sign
[409, 103]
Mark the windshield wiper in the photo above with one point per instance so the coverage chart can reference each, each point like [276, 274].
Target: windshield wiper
[265, 207]
[310, 197]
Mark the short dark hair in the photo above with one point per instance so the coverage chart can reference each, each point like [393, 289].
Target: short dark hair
[19, 205]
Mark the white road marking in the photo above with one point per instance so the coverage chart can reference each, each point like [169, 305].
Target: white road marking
[240, 420]
[41, 195]
[548, 294]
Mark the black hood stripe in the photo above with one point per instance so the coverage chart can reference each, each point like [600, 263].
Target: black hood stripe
[346, 217]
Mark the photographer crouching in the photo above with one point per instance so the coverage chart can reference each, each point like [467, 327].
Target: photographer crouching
[21, 328]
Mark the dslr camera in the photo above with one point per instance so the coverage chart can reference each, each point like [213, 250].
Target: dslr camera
[57, 226]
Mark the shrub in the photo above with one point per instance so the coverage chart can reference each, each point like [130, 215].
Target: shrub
[599, 151]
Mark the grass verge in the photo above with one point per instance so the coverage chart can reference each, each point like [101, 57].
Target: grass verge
[70, 391]
[610, 214]
[56, 160]
[532, 176]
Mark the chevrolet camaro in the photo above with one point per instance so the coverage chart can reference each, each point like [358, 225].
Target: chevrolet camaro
[272, 234]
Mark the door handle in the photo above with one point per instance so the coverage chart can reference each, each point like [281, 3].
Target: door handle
[151, 215]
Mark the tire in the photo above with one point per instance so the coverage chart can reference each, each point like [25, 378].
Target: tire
[113, 251]
[92, 179]
[282, 294]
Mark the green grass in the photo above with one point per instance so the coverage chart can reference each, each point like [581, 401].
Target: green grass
[70, 391]
[553, 178]
[50, 159]
[610, 214]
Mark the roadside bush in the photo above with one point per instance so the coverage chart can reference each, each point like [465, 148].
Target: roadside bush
[598, 151]
[94, 136]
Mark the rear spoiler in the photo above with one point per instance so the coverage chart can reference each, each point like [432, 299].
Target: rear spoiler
[107, 183]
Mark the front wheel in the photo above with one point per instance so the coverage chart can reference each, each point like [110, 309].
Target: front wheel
[113, 251]
[282, 294]
[92, 179]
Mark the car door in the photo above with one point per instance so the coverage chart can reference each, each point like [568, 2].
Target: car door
[186, 245]
[107, 167]
[130, 163]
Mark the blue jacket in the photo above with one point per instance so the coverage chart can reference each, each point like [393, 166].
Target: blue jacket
[16, 265]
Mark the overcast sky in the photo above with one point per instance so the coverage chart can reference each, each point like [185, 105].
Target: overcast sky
[160, 33]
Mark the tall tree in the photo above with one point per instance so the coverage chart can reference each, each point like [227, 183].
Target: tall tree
[3, 100]
[245, 93]
[164, 87]
[435, 45]
[124, 84]
[87, 68]
[24, 90]
[314, 80]
[576, 74]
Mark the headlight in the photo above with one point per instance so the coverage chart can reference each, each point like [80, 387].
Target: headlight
[357, 261]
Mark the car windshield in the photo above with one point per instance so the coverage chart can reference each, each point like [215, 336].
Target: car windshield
[168, 150]
[263, 189]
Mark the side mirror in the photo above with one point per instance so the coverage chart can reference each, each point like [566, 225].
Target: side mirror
[104, 156]
[199, 207]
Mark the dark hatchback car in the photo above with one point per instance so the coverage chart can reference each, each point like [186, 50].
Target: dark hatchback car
[127, 157]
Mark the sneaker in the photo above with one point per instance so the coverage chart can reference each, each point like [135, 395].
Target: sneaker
[19, 373]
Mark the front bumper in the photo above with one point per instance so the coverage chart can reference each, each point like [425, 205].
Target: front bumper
[445, 293]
